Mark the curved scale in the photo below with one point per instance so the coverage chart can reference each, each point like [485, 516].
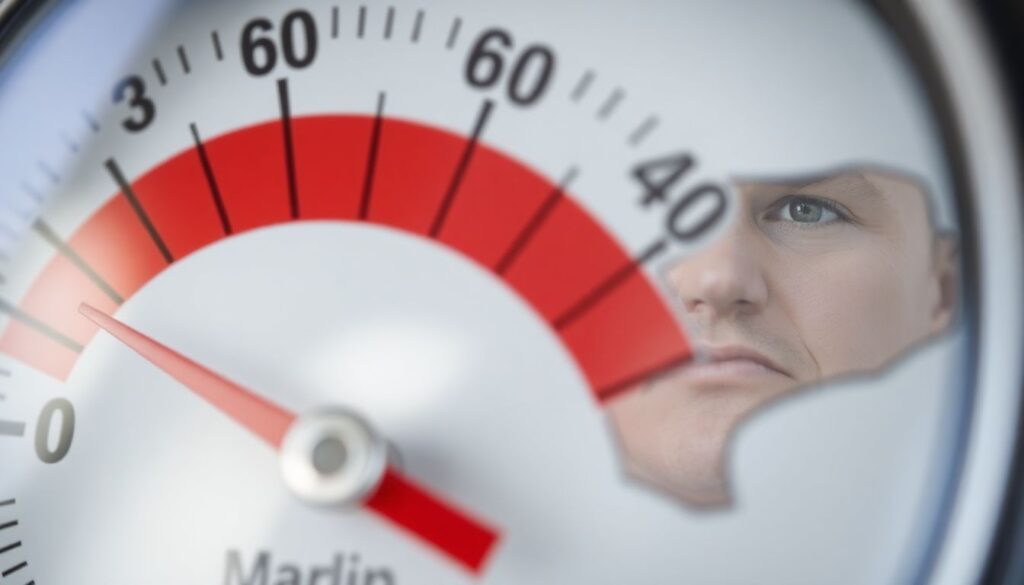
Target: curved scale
[506, 218]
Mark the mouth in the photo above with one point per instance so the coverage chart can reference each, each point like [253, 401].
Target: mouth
[730, 363]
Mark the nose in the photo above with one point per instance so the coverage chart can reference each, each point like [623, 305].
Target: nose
[726, 279]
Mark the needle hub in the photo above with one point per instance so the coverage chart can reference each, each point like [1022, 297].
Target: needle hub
[333, 457]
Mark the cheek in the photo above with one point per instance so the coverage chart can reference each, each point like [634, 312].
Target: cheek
[848, 307]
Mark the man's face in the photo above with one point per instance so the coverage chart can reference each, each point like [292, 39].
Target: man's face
[813, 279]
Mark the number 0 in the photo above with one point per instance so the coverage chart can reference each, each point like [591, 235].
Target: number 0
[67, 430]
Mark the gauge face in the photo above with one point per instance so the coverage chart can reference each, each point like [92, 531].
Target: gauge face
[449, 293]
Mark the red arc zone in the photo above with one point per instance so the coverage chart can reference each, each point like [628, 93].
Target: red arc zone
[628, 334]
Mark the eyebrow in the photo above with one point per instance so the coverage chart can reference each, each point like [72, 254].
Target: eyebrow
[800, 183]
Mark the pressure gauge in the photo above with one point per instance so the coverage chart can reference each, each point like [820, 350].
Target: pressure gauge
[378, 293]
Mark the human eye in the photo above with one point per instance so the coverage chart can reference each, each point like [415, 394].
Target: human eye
[808, 211]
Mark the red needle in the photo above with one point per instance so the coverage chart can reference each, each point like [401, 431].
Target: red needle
[452, 531]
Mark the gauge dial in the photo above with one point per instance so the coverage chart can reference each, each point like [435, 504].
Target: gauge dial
[331, 292]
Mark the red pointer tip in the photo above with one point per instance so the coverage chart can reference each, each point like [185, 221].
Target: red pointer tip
[453, 532]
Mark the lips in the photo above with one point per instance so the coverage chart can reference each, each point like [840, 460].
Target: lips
[731, 362]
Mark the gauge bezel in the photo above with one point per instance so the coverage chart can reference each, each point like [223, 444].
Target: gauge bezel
[16, 17]
[1004, 24]
[953, 56]
[915, 25]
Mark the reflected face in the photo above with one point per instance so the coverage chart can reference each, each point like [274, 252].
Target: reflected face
[814, 279]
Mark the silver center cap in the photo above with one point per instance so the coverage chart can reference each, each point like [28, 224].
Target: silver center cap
[333, 458]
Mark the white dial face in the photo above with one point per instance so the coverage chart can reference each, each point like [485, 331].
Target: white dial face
[329, 292]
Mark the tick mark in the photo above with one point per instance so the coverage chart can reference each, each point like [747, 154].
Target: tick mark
[289, 151]
[536, 221]
[613, 101]
[184, 60]
[159, 69]
[417, 27]
[10, 547]
[9, 502]
[362, 21]
[335, 21]
[582, 86]
[10, 524]
[49, 172]
[211, 181]
[371, 159]
[467, 154]
[12, 428]
[91, 121]
[32, 192]
[14, 569]
[71, 144]
[39, 326]
[453, 34]
[389, 24]
[62, 247]
[133, 201]
[616, 279]
[643, 130]
[217, 50]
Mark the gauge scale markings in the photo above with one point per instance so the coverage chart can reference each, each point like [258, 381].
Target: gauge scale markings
[611, 104]
[91, 121]
[535, 223]
[289, 149]
[453, 34]
[183, 58]
[50, 173]
[371, 159]
[159, 69]
[12, 429]
[211, 180]
[218, 51]
[643, 130]
[467, 155]
[40, 327]
[51, 237]
[417, 27]
[389, 23]
[129, 193]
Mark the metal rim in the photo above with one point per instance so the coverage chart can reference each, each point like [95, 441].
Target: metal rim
[971, 104]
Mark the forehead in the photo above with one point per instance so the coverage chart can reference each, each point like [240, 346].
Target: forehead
[866, 181]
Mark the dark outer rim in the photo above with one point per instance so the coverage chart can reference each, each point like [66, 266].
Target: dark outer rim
[15, 19]
[1004, 22]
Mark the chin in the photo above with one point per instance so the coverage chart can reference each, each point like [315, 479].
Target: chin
[709, 491]
[675, 436]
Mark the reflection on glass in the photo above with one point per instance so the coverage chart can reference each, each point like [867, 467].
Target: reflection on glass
[816, 277]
